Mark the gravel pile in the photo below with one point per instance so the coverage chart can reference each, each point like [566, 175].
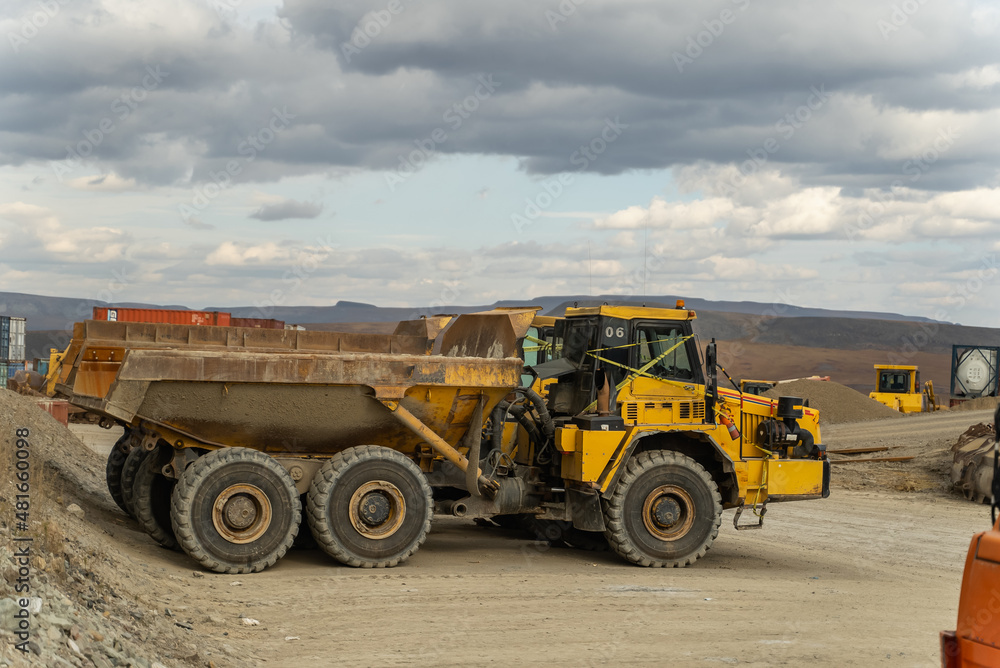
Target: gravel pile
[836, 403]
[86, 604]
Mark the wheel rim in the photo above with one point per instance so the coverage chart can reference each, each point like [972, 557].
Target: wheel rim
[241, 513]
[377, 509]
[668, 512]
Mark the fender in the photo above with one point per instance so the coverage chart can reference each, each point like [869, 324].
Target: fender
[613, 471]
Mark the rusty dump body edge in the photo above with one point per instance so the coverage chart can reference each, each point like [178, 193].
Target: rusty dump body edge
[295, 392]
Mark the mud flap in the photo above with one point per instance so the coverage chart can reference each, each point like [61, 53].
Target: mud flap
[585, 510]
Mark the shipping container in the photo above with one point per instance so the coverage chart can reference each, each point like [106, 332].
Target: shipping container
[56, 408]
[7, 371]
[259, 323]
[12, 331]
[41, 366]
[158, 315]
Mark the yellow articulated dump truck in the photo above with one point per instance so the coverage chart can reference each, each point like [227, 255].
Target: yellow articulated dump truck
[236, 439]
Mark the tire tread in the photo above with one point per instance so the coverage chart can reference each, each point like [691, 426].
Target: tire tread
[323, 483]
[187, 489]
[615, 531]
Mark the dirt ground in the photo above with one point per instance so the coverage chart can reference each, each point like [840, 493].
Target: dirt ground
[866, 577]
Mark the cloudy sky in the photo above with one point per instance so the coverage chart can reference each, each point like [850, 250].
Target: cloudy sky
[842, 155]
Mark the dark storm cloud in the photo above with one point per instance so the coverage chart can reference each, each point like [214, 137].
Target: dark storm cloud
[286, 210]
[366, 82]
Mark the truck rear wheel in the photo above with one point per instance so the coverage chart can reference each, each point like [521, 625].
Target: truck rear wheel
[113, 471]
[370, 507]
[665, 511]
[235, 510]
[151, 500]
[131, 466]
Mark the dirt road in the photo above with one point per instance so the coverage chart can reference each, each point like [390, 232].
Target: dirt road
[867, 577]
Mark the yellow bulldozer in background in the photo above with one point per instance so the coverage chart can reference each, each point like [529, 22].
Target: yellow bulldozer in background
[898, 387]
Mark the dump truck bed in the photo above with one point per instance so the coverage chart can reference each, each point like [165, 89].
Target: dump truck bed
[295, 392]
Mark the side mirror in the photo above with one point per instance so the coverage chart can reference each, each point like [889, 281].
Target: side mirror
[711, 357]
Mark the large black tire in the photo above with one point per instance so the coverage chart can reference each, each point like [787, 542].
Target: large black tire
[113, 471]
[235, 510]
[132, 463]
[665, 511]
[370, 507]
[151, 494]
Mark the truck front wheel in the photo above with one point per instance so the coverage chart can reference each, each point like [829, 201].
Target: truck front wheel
[665, 511]
[370, 507]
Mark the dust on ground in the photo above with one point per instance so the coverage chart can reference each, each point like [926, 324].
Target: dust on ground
[836, 403]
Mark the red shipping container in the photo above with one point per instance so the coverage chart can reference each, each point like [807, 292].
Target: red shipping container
[259, 323]
[56, 408]
[160, 315]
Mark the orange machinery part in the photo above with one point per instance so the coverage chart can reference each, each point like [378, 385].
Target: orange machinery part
[976, 641]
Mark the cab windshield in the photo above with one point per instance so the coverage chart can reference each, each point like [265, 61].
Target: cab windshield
[666, 349]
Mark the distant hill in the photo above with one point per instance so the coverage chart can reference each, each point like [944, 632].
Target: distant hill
[51, 313]
[763, 340]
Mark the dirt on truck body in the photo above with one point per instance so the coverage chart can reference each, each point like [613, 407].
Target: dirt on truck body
[237, 439]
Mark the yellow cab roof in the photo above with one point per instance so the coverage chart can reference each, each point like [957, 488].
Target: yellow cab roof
[894, 367]
[632, 312]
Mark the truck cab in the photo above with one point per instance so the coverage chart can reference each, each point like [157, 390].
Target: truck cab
[633, 403]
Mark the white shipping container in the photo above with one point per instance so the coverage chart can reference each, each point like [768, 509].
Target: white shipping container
[16, 341]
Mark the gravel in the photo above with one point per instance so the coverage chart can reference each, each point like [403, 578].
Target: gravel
[87, 604]
[836, 403]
